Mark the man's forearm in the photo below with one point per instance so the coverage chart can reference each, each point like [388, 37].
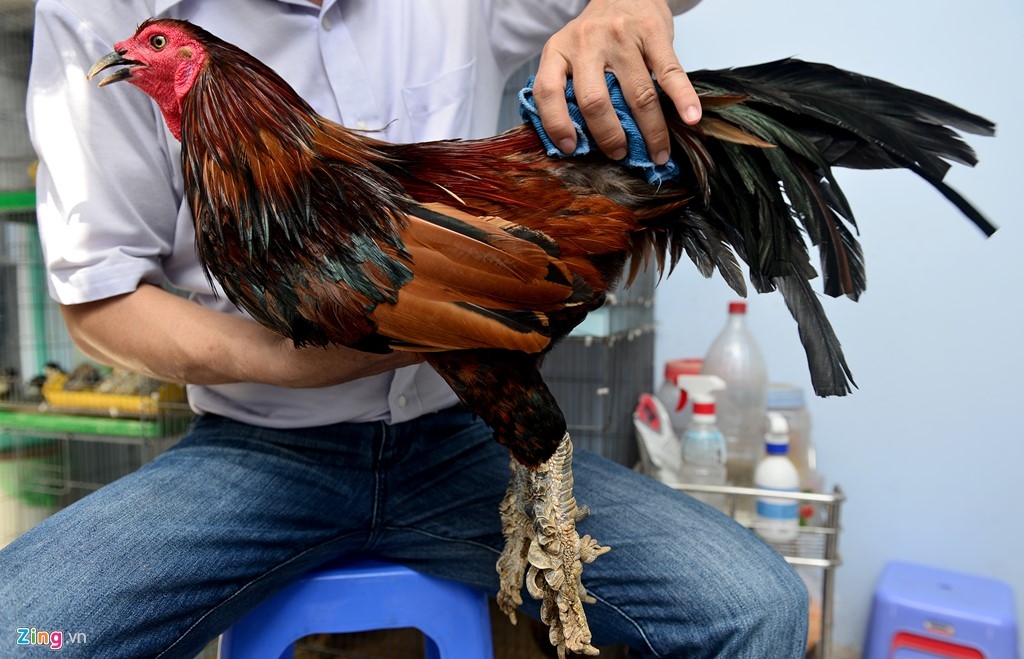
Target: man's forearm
[159, 334]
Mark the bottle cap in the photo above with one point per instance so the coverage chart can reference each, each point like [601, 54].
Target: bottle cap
[776, 440]
[783, 396]
[688, 366]
[738, 306]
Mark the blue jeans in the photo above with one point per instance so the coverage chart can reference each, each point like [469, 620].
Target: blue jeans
[160, 562]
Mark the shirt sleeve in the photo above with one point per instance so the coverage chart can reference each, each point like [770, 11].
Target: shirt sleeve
[105, 187]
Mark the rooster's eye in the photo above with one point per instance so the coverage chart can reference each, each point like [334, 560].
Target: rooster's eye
[158, 41]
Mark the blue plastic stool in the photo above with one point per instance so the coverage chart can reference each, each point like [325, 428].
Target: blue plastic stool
[925, 613]
[365, 596]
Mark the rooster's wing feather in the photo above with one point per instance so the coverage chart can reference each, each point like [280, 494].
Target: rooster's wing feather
[478, 282]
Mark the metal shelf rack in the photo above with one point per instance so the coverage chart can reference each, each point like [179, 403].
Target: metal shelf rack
[816, 546]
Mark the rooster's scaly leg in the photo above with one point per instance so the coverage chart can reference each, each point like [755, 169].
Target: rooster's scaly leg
[539, 516]
[515, 524]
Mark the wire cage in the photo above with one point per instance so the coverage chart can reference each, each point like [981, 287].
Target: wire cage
[598, 372]
[16, 155]
[67, 425]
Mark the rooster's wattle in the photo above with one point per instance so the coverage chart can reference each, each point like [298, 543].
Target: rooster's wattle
[482, 254]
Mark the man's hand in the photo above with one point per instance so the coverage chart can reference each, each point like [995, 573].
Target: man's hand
[632, 39]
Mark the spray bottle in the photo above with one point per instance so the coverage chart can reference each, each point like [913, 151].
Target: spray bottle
[777, 520]
[660, 454]
[703, 445]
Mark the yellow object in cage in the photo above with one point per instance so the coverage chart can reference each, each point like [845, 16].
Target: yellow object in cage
[142, 404]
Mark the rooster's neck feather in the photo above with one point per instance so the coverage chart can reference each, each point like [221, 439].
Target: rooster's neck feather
[267, 176]
[283, 155]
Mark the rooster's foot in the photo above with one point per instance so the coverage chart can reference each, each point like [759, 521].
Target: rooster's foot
[538, 517]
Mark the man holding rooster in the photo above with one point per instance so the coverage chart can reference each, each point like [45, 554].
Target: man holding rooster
[302, 456]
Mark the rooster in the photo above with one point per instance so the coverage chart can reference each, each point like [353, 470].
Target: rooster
[482, 254]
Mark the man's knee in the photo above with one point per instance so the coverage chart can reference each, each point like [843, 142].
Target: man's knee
[779, 612]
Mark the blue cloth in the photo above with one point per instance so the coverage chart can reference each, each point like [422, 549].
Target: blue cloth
[636, 156]
[161, 561]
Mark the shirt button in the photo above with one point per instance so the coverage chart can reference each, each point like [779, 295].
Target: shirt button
[401, 400]
[361, 125]
[327, 23]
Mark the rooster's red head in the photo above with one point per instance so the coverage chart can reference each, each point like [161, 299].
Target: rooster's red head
[162, 58]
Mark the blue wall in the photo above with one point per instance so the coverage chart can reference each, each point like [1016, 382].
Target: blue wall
[929, 448]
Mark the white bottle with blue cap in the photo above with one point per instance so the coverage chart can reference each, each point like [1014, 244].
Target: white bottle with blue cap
[777, 519]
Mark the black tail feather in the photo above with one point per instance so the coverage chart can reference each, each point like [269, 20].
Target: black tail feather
[760, 200]
[830, 376]
[856, 121]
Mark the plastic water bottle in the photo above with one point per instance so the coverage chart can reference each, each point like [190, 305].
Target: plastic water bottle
[735, 357]
[672, 397]
[703, 445]
[775, 519]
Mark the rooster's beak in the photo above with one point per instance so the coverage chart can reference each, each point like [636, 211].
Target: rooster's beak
[113, 59]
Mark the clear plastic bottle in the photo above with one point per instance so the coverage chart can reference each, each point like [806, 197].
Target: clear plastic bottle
[777, 519]
[703, 445]
[671, 396]
[735, 357]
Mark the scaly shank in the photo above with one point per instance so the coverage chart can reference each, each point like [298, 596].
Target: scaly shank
[539, 516]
